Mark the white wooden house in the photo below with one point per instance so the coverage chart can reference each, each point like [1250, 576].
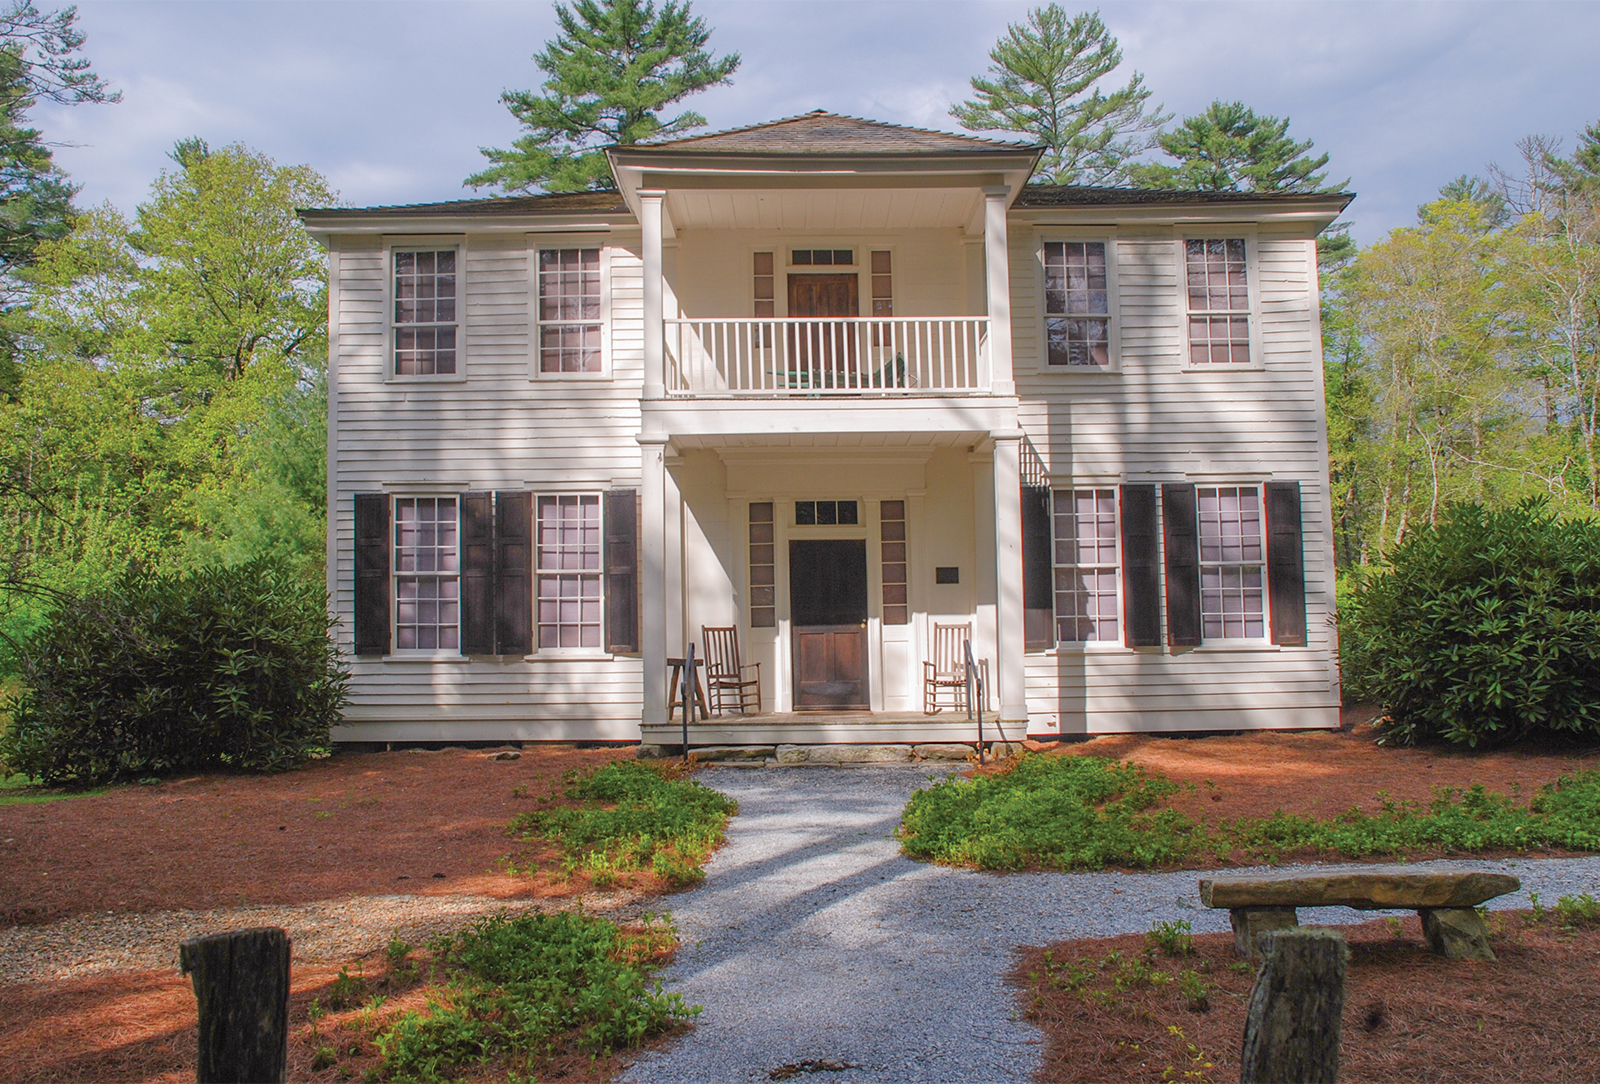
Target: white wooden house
[832, 383]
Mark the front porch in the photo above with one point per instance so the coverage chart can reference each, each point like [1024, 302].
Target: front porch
[833, 728]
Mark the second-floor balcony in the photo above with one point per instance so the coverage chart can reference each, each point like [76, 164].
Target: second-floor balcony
[814, 357]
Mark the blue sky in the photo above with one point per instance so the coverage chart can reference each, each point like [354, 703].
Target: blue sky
[391, 101]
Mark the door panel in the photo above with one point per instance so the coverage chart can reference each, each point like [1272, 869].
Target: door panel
[823, 351]
[828, 608]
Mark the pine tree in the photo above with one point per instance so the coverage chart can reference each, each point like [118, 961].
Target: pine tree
[1044, 84]
[1230, 149]
[614, 67]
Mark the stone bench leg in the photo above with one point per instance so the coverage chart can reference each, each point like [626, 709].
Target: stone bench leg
[1456, 933]
[1250, 922]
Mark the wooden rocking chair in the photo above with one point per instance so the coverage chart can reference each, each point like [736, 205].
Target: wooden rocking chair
[725, 674]
[944, 677]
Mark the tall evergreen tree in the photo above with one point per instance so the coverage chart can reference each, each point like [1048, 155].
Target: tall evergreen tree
[1228, 148]
[613, 69]
[1045, 81]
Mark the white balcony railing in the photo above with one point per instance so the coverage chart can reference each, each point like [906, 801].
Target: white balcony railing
[800, 356]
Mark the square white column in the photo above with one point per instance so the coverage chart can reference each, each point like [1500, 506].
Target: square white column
[1008, 579]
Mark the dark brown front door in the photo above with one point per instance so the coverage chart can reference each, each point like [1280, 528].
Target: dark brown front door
[824, 352]
[828, 608]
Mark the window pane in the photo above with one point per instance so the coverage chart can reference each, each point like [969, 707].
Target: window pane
[568, 555]
[1086, 559]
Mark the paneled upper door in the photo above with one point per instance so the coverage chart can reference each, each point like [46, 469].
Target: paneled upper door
[823, 353]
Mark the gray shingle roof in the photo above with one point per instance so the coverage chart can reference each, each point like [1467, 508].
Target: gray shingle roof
[821, 132]
[545, 203]
[1072, 195]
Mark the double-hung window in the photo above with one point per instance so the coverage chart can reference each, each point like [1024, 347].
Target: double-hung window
[423, 326]
[1219, 301]
[427, 574]
[1077, 303]
[1232, 560]
[569, 572]
[1086, 565]
[569, 304]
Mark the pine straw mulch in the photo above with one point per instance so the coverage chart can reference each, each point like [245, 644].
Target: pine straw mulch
[413, 822]
[140, 1026]
[1532, 1016]
[357, 824]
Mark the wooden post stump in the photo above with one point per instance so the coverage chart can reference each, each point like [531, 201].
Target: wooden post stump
[241, 981]
[1291, 1035]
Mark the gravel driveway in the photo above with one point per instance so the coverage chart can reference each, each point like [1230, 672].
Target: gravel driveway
[812, 939]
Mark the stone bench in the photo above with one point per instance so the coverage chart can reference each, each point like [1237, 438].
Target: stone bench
[1444, 901]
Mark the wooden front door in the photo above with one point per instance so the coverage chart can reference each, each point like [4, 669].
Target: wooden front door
[823, 353]
[828, 608]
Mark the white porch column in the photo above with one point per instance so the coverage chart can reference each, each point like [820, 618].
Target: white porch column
[653, 576]
[1008, 577]
[997, 263]
[654, 329]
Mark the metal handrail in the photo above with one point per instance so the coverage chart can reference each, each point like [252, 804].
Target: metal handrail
[690, 687]
[974, 682]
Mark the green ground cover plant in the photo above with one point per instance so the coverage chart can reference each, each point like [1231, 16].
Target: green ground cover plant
[21, 790]
[633, 816]
[529, 988]
[1074, 813]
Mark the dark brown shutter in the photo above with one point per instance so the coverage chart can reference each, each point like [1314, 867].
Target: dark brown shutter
[1038, 579]
[1286, 564]
[622, 570]
[477, 573]
[513, 573]
[372, 574]
[1141, 572]
[1180, 533]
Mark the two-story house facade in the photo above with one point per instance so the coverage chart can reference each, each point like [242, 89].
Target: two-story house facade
[831, 383]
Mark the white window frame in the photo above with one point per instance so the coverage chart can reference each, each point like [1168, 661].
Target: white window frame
[1252, 271]
[538, 243]
[1050, 234]
[424, 243]
[599, 651]
[413, 654]
[1121, 616]
[1265, 639]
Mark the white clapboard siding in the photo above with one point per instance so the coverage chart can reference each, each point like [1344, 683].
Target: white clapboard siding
[502, 428]
[1152, 420]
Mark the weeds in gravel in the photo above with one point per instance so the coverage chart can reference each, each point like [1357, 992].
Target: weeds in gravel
[633, 816]
[530, 988]
[1068, 813]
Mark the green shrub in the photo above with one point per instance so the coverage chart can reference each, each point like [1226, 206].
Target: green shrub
[527, 986]
[634, 817]
[219, 668]
[1482, 630]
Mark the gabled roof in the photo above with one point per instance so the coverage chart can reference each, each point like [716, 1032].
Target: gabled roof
[821, 132]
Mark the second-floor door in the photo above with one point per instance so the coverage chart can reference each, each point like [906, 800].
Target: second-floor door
[823, 352]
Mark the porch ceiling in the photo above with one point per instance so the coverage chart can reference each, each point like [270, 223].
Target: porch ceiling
[824, 209]
[828, 442]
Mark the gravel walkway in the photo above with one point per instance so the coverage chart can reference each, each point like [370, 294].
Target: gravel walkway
[813, 940]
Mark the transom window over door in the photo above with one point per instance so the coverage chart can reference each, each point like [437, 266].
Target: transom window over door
[569, 310]
[569, 603]
[1231, 563]
[424, 320]
[1086, 565]
[1219, 302]
[427, 574]
[1077, 303]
